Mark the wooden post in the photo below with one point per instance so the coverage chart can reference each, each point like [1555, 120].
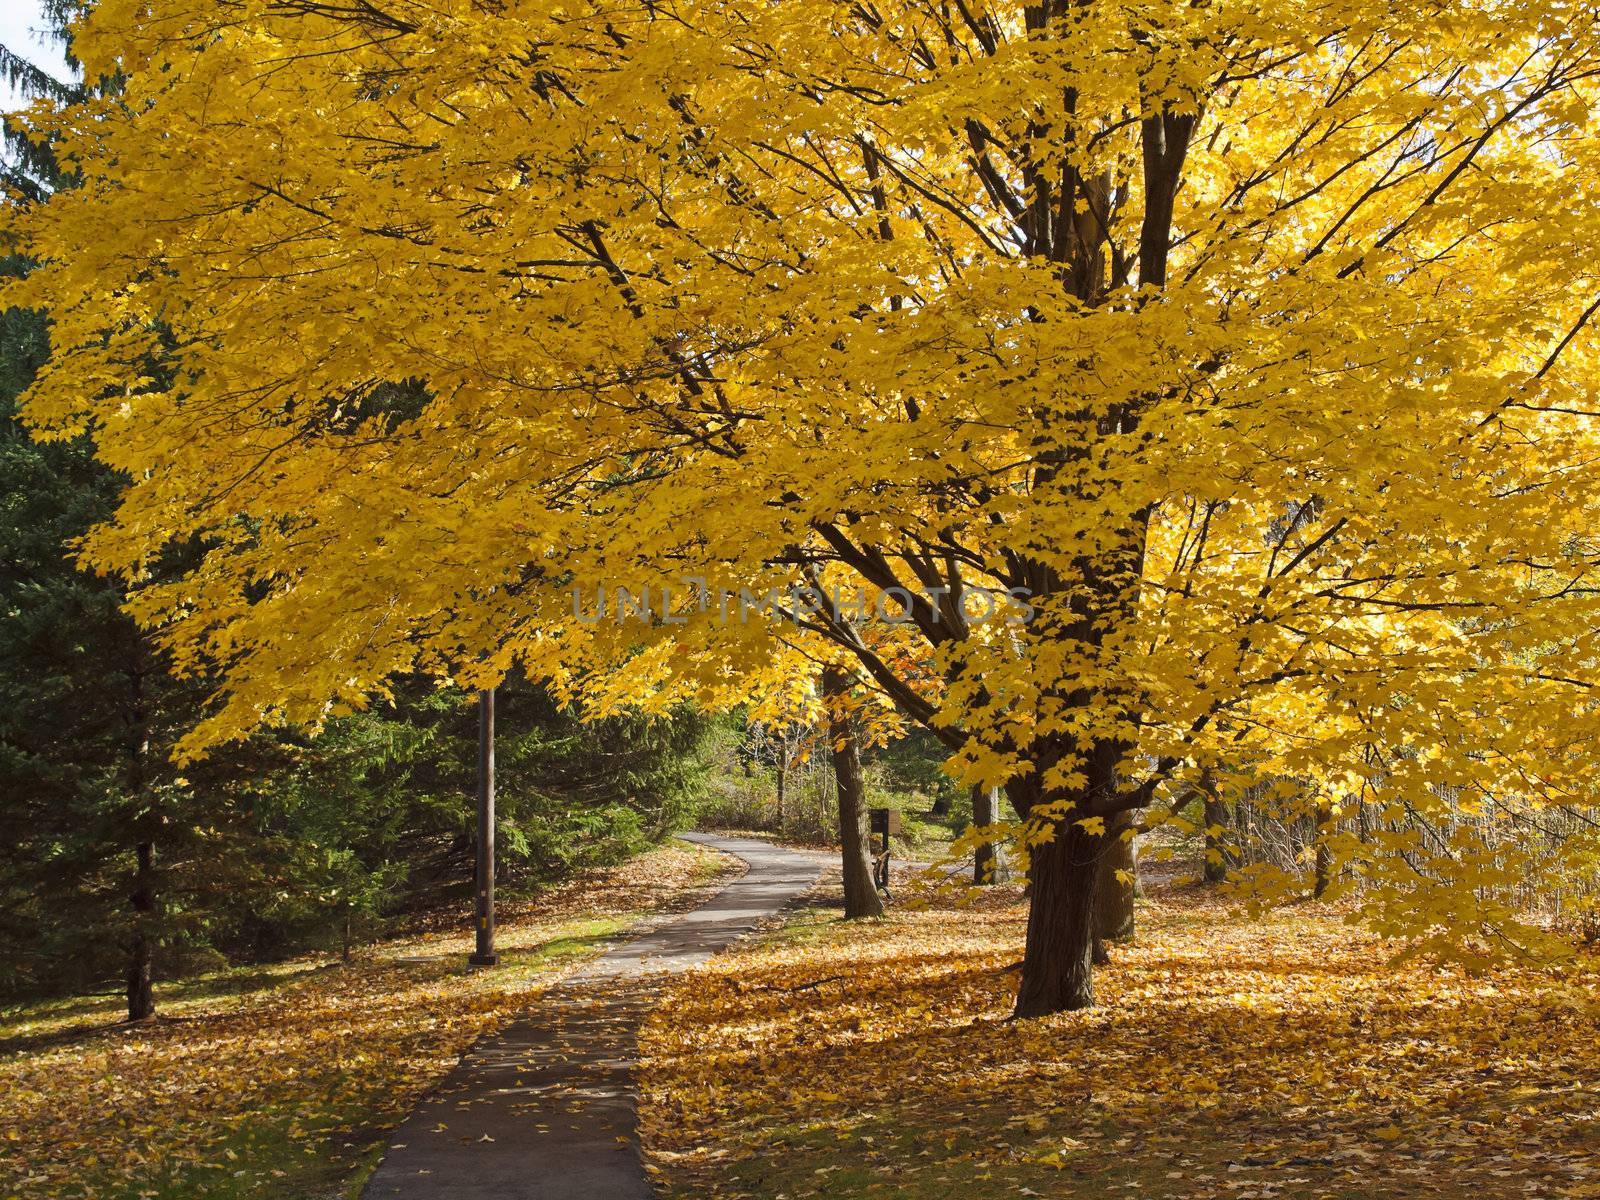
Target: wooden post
[484, 955]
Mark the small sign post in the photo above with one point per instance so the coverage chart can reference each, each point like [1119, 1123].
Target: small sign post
[484, 955]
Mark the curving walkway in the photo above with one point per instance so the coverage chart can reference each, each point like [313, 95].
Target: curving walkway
[546, 1108]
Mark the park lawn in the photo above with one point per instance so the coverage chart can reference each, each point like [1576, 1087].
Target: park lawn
[1286, 1057]
[280, 1082]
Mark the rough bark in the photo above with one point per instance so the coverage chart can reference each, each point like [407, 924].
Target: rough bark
[1057, 963]
[861, 897]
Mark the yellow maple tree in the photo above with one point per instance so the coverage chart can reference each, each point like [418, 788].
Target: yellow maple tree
[1234, 360]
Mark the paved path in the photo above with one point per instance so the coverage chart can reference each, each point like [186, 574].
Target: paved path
[546, 1108]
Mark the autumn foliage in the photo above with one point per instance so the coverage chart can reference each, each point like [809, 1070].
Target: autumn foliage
[280, 1082]
[1238, 357]
[1277, 1058]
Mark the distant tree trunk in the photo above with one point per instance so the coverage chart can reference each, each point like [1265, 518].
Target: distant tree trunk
[860, 894]
[141, 992]
[988, 861]
[1215, 815]
[1116, 886]
[142, 896]
[1324, 868]
[783, 782]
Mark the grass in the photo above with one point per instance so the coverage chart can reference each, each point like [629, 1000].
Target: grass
[281, 1081]
[1280, 1058]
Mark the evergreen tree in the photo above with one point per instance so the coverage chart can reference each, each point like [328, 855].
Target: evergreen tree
[93, 807]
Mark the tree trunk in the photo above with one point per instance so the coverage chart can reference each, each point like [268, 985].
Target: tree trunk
[1324, 868]
[1057, 963]
[142, 897]
[783, 784]
[1215, 815]
[141, 993]
[860, 894]
[988, 861]
[1114, 909]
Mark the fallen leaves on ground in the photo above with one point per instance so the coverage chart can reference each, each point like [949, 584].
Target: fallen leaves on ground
[1279, 1058]
[278, 1083]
